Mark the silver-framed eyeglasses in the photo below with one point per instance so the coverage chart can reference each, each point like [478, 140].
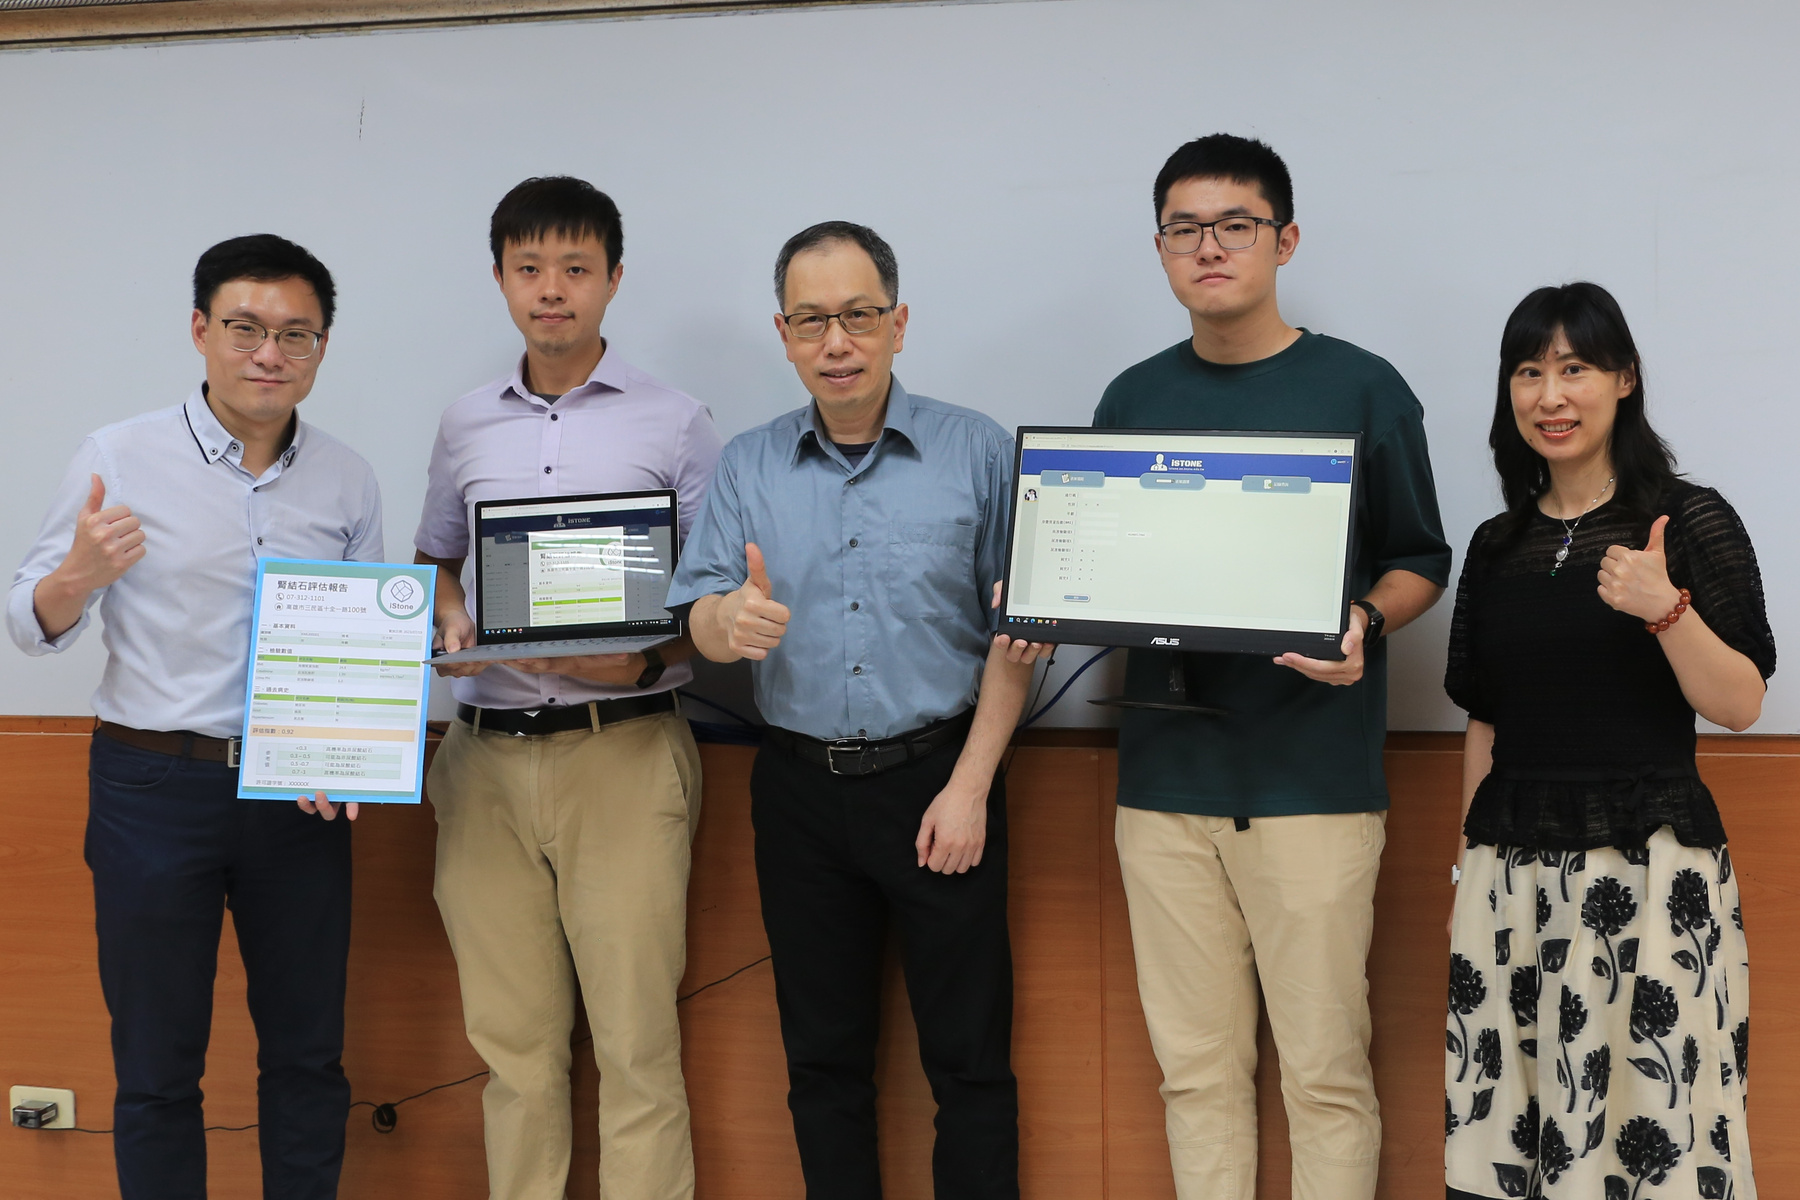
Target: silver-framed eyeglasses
[854, 320]
[246, 336]
[1232, 233]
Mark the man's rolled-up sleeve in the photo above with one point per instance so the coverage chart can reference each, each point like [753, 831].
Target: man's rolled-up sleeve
[444, 522]
[52, 545]
[712, 561]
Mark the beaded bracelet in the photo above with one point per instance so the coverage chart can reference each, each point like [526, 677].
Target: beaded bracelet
[1662, 626]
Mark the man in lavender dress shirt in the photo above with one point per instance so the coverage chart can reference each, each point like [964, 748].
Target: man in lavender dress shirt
[567, 790]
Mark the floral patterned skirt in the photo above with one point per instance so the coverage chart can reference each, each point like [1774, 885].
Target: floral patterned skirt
[1598, 1035]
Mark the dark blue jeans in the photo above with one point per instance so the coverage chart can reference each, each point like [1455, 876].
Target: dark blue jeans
[171, 847]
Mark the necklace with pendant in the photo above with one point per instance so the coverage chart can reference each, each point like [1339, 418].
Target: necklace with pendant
[1562, 551]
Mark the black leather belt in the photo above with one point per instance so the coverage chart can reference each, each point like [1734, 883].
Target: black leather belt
[179, 744]
[557, 718]
[860, 756]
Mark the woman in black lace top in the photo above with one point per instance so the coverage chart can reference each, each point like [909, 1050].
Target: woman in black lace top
[1597, 1040]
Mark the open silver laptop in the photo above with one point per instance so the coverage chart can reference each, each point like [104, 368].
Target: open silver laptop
[557, 576]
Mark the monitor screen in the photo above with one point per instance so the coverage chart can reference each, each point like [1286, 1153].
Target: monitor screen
[550, 565]
[1203, 540]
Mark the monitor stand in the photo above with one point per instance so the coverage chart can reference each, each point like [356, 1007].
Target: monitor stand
[1176, 700]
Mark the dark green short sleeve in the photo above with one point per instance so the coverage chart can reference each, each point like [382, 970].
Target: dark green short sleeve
[1405, 531]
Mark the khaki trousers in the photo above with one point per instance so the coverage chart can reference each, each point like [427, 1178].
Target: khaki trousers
[1289, 900]
[564, 858]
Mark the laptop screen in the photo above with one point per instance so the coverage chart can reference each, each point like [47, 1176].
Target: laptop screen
[1202, 540]
[559, 566]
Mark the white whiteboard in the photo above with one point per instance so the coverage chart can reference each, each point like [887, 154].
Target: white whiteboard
[1447, 159]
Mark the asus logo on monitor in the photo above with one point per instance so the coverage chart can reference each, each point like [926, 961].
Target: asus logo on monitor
[1162, 641]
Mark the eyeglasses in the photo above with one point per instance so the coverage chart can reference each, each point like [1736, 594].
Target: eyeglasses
[854, 320]
[246, 336]
[1232, 233]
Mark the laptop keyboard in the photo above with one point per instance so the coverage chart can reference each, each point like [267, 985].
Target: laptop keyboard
[524, 649]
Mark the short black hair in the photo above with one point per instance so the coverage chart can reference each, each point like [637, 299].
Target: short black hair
[560, 205]
[1227, 156]
[814, 236]
[265, 258]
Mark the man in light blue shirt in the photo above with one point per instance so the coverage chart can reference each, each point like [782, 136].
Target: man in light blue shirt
[160, 522]
[849, 549]
[881, 562]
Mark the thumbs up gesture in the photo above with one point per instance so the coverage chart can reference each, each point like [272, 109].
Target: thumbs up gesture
[753, 621]
[1637, 581]
[108, 542]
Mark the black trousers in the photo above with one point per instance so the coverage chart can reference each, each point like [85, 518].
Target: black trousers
[835, 865]
[171, 847]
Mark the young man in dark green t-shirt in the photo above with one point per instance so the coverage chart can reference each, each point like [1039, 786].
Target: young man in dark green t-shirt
[1250, 843]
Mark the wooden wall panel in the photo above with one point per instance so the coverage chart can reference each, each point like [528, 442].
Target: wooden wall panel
[1757, 789]
[731, 1049]
[1409, 964]
[1092, 1119]
[400, 968]
[53, 1026]
[1054, 909]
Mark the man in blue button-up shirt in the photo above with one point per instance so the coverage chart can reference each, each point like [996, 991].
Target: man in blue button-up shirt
[160, 522]
[849, 549]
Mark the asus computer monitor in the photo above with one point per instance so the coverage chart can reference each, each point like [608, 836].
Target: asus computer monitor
[1182, 539]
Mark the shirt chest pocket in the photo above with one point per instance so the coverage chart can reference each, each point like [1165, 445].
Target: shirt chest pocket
[930, 568]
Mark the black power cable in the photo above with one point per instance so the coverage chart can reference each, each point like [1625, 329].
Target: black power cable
[384, 1117]
[1025, 719]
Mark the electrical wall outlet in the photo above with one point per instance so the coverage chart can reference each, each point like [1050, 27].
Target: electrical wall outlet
[64, 1098]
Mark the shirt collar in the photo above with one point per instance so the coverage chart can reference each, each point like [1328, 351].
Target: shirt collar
[611, 374]
[898, 418]
[216, 443]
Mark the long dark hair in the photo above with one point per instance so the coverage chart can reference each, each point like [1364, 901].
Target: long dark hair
[1590, 318]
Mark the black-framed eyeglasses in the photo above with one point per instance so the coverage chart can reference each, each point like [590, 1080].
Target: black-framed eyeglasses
[1232, 233]
[246, 336]
[854, 320]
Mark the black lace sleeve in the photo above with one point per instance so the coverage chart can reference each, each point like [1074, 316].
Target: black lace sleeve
[1711, 556]
[1461, 675]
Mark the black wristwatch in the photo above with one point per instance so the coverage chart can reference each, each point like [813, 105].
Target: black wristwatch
[1376, 621]
[654, 666]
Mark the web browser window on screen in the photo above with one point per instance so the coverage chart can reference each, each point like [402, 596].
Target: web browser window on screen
[577, 577]
[1182, 529]
[578, 562]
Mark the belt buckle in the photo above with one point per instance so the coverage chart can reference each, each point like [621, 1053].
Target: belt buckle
[858, 745]
[234, 751]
